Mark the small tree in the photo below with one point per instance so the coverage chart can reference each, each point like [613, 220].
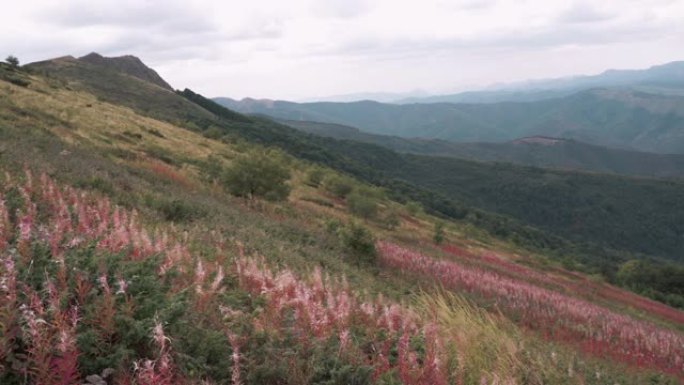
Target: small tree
[12, 61]
[258, 174]
[314, 177]
[360, 242]
[414, 208]
[362, 205]
[438, 236]
[338, 186]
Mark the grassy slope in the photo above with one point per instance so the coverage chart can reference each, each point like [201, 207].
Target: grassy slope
[453, 187]
[144, 163]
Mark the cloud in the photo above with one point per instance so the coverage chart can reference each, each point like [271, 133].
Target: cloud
[343, 9]
[584, 13]
[170, 16]
[265, 47]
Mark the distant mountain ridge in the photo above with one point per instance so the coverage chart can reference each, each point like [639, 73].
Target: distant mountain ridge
[538, 151]
[665, 79]
[619, 118]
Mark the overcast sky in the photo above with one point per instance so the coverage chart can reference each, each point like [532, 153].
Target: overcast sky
[296, 49]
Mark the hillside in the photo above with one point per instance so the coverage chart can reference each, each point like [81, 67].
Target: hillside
[602, 224]
[667, 79]
[563, 154]
[607, 117]
[126, 259]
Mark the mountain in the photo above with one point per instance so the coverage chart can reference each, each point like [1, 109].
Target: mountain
[558, 153]
[127, 255]
[386, 97]
[667, 79]
[128, 64]
[607, 117]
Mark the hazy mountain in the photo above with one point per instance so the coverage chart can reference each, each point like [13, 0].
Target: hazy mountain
[385, 97]
[537, 151]
[607, 117]
[665, 79]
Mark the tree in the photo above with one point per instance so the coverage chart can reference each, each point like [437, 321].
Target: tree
[414, 208]
[258, 174]
[360, 243]
[362, 205]
[314, 177]
[12, 61]
[338, 186]
[438, 236]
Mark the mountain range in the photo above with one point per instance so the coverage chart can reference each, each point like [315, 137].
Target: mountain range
[609, 117]
[538, 151]
[667, 79]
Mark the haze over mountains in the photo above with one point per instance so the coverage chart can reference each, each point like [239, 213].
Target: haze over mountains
[666, 79]
[633, 110]
[535, 151]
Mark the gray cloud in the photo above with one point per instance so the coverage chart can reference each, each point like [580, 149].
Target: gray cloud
[341, 8]
[171, 16]
[584, 13]
[553, 36]
[307, 47]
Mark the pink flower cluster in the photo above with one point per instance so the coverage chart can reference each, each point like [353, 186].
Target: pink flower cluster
[73, 218]
[567, 281]
[323, 308]
[558, 316]
[63, 219]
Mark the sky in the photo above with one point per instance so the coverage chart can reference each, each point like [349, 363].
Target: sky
[306, 49]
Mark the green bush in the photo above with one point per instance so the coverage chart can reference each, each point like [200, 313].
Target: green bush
[258, 174]
[176, 210]
[362, 205]
[338, 186]
[211, 169]
[414, 208]
[391, 220]
[360, 242]
[314, 177]
[438, 236]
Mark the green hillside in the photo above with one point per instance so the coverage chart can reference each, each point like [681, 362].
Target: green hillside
[602, 222]
[136, 249]
[545, 152]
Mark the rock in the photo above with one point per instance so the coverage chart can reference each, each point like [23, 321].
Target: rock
[107, 373]
[94, 379]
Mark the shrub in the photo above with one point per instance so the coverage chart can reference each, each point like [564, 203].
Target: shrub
[414, 208]
[258, 174]
[213, 133]
[391, 220]
[438, 236]
[12, 61]
[362, 205]
[338, 186]
[318, 201]
[314, 177]
[177, 210]
[359, 241]
[211, 169]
